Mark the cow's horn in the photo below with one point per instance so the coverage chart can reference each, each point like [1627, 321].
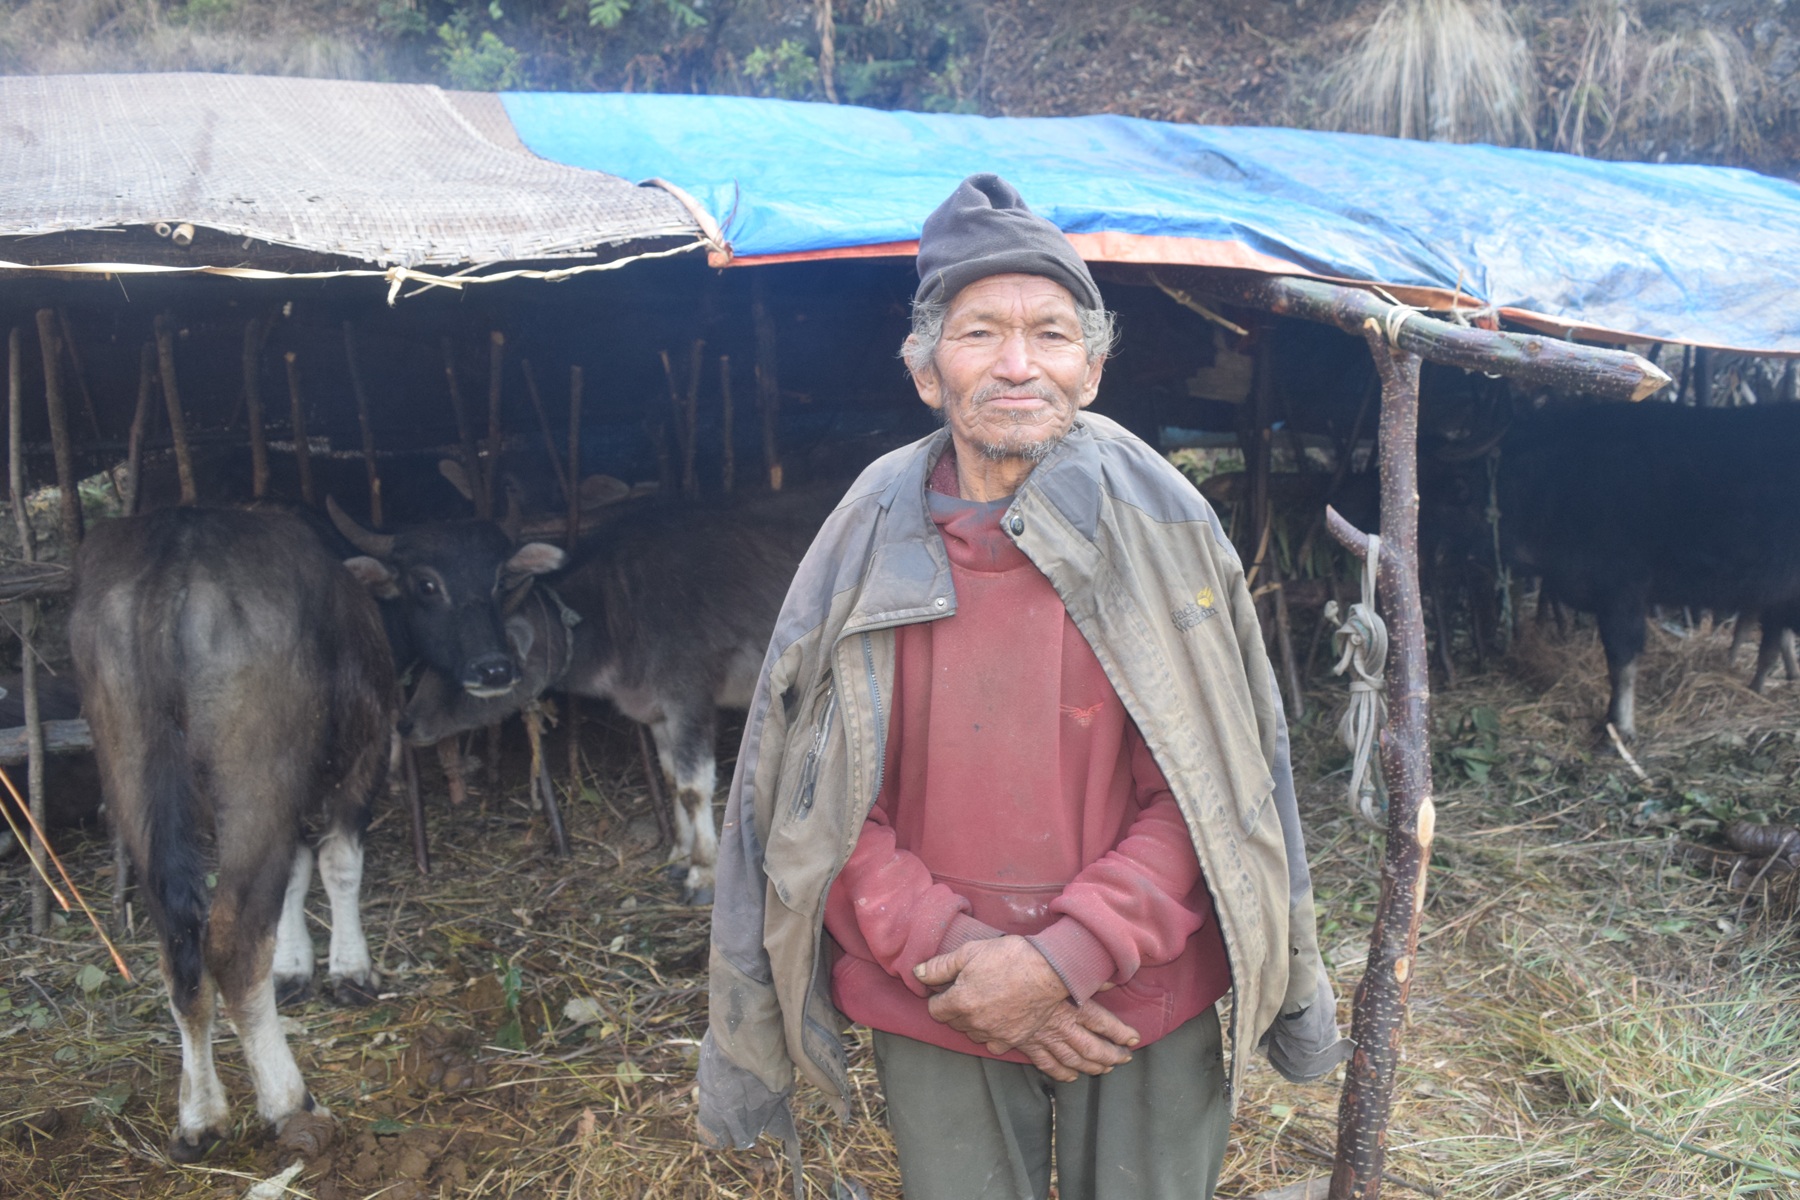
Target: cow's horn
[514, 520]
[379, 545]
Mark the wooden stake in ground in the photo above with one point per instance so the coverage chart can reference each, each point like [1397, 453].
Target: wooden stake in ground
[1379, 1016]
[28, 620]
[690, 420]
[256, 332]
[78, 372]
[768, 389]
[165, 354]
[69, 499]
[415, 804]
[362, 421]
[466, 435]
[302, 447]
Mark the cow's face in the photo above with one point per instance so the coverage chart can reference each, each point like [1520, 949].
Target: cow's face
[452, 582]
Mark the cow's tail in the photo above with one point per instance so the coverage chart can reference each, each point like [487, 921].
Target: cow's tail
[174, 866]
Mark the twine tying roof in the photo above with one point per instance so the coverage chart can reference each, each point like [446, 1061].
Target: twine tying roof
[394, 174]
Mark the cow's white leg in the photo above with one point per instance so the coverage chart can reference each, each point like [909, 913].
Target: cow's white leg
[1624, 704]
[293, 945]
[280, 1092]
[694, 788]
[203, 1116]
[341, 867]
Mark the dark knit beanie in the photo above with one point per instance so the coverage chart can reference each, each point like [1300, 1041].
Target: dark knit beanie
[984, 229]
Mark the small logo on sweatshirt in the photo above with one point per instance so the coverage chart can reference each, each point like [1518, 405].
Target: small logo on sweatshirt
[1196, 611]
[1083, 717]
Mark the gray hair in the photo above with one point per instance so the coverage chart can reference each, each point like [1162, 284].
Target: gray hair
[1099, 332]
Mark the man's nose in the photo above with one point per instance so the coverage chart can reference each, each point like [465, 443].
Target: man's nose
[1015, 363]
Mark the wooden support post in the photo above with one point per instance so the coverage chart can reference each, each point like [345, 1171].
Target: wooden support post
[659, 792]
[1379, 1016]
[69, 498]
[256, 332]
[302, 447]
[768, 387]
[416, 804]
[688, 420]
[28, 619]
[79, 372]
[165, 354]
[140, 419]
[496, 368]
[563, 487]
[465, 434]
[572, 709]
[728, 465]
[362, 420]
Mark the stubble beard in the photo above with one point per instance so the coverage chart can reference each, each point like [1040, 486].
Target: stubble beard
[1015, 448]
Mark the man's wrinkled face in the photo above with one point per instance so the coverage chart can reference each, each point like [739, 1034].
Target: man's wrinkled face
[1011, 370]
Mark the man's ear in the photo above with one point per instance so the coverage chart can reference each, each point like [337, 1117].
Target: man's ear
[1092, 387]
[925, 379]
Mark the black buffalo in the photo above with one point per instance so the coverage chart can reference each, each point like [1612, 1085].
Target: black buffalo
[1621, 506]
[666, 613]
[236, 676]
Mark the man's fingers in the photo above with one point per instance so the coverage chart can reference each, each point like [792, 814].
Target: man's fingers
[942, 970]
[1045, 1062]
[1097, 1020]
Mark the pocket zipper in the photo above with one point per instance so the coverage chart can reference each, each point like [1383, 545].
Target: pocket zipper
[809, 770]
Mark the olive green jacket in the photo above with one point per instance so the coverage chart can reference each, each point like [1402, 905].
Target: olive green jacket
[1148, 577]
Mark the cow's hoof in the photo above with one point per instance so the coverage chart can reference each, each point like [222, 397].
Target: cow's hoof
[676, 873]
[292, 989]
[191, 1150]
[353, 993]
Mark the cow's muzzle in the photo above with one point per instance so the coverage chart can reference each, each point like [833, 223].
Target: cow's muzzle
[490, 675]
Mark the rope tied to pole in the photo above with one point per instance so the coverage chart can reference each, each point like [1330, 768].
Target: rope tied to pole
[1360, 639]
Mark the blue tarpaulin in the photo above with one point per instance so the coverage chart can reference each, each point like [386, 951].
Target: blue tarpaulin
[1709, 255]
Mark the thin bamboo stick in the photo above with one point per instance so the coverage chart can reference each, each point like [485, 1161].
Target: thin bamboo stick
[69, 498]
[140, 418]
[728, 465]
[80, 373]
[573, 713]
[28, 619]
[165, 353]
[362, 420]
[496, 367]
[302, 448]
[537, 407]
[256, 332]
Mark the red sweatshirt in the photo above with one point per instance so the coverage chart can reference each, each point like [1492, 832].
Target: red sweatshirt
[1018, 797]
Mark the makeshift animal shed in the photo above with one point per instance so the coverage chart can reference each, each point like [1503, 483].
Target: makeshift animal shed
[364, 270]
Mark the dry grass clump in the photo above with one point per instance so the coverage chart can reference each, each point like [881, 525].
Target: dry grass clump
[1629, 88]
[1438, 70]
[285, 37]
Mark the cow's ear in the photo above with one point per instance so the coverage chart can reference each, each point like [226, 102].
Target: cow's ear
[522, 636]
[536, 558]
[381, 579]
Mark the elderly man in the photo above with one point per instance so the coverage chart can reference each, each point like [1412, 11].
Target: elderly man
[1017, 751]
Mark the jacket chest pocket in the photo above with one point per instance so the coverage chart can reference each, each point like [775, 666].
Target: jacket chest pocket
[802, 849]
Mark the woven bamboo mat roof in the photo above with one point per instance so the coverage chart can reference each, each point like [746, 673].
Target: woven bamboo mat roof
[394, 174]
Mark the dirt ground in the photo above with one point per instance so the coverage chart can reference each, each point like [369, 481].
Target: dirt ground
[539, 1019]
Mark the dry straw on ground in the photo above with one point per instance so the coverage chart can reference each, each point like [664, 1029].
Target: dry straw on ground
[1602, 1009]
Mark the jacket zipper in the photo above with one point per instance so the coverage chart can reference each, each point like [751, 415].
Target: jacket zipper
[809, 770]
[868, 645]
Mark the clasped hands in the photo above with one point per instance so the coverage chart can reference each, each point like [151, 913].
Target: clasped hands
[1004, 994]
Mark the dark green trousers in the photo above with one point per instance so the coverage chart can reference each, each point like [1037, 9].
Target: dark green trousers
[973, 1128]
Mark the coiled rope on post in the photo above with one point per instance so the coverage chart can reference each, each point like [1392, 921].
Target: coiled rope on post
[1360, 639]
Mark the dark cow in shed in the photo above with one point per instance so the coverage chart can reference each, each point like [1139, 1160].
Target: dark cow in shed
[236, 677]
[1621, 506]
[666, 613]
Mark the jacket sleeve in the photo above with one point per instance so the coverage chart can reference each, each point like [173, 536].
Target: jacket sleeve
[1303, 1044]
[745, 1075]
[1129, 908]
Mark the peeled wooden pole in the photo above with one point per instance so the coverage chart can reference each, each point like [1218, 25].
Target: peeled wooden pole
[690, 420]
[362, 421]
[768, 389]
[465, 434]
[140, 421]
[28, 619]
[1379, 1016]
[165, 354]
[415, 804]
[69, 498]
[78, 372]
[256, 331]
[302, 447]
